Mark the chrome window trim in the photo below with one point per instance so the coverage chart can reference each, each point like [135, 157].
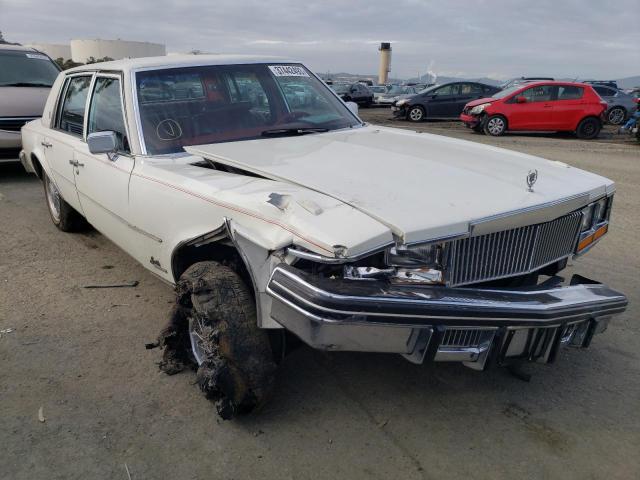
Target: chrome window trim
[119, 77]
[55, 120]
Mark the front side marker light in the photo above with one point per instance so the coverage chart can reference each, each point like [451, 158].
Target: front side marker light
[587, 241]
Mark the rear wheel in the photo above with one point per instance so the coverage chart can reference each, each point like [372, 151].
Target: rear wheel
[616, 116]
[495, 125]
[63, 215]
[235, 363]
[415, 114]
[588, 128]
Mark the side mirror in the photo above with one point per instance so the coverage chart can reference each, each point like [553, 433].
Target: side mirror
[521, 99]
[353, 107]
[102, 142]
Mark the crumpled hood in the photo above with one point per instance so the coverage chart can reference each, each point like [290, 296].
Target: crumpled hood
[22, 101]
[421, 186]
[480, 101]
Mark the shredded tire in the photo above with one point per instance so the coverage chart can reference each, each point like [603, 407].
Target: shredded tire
[237, 370]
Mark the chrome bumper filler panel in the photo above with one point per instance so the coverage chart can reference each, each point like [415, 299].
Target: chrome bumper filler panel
[423, 322]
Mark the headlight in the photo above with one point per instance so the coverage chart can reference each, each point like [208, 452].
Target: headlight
[587, 218]
[479, 109]
[601, 210]
[428, 255]
[595, 223]
[404, 101]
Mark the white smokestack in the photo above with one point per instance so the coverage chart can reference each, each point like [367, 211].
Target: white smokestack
[385, 62]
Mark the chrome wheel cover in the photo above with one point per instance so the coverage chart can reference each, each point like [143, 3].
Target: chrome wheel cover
[415, 114]
[199, 336]
[495, 126]
[616, 116]
[53, 199]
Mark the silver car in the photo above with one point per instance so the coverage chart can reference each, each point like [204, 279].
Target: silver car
[26, 76]
[620, 104]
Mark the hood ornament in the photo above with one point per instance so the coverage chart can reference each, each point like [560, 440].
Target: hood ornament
[532, 178]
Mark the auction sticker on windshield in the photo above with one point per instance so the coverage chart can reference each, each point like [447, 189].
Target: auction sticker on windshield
[288, 71]
[36, 56]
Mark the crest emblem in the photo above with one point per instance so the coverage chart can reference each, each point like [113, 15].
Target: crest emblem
[532, 178]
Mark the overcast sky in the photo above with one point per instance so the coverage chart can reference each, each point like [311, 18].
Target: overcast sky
[495, 38]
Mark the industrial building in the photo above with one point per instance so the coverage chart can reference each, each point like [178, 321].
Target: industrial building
[80, 50]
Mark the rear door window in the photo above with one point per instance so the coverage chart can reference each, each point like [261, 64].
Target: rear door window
[72, 110]
[569, 92]
[448, 90]
[540, 93]
[470, 89]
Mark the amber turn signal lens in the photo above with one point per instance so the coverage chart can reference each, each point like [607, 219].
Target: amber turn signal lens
[586, 241]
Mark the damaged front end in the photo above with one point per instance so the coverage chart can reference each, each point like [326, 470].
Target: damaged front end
[464, 299]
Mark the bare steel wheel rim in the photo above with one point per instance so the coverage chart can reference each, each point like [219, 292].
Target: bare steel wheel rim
[53, 199]
[495, 126]
[616, 116]
[415, 114]
[200, 336]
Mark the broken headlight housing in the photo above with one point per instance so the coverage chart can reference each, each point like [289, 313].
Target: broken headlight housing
[405, 264]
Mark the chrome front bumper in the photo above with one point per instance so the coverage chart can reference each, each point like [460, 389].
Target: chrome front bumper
[470, 325]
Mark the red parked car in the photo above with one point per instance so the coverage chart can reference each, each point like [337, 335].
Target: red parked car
[538, 106]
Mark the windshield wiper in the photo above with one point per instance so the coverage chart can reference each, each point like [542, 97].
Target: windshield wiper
[25, 84]
[284, 132]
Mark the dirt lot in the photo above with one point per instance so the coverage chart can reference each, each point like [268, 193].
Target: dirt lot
[79, 354]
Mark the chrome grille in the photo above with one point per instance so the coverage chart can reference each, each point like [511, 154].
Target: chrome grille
[462, 337]
[511, 252]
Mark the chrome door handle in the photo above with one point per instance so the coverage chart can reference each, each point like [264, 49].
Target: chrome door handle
[46, 144]
[76, 164]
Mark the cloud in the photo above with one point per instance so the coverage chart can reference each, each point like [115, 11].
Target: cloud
[504, 37]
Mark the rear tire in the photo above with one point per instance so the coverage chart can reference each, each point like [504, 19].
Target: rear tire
[616, 116]
[415, 114]
[588, 128]
[495, 125]
[63, 215]
[235, 363]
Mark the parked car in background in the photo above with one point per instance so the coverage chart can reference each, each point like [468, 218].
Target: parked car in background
[608, 83]
[354, 92]
[520, 80]
[619, 103]
[26, 76]
[442, 101]
[538, 106]
[276, 221]
[393, 94]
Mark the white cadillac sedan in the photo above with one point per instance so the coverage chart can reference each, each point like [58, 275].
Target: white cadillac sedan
[276, 213]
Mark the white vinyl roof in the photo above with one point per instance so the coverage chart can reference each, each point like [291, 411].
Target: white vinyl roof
[173, 61]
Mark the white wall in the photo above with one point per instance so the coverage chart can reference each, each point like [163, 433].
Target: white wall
[81, 50]
[53, 50]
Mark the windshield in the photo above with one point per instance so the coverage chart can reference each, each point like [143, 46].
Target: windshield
[506, 92]
[26, 69]
[226, 103]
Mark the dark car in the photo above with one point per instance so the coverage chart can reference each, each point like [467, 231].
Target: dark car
[354, 92]
[620, 104]
[442, 101]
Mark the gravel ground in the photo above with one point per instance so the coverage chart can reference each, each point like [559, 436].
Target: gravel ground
[79, 355]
